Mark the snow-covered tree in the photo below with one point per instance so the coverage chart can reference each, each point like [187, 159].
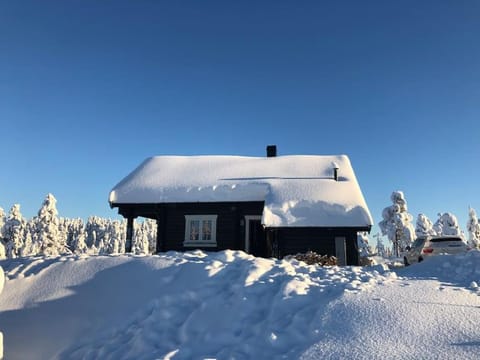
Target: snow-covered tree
[397, 223]
[2, 224]
[140, 239]
[150, 227]
[473, 228]
[450, 225]
[112, 238]
[47, 232]
[79, 245]
[424, 226]
[102, 249]
[381, 250]
[29, 247]
[447, 224]
[92, 250]
[117, 230]
[74, 226]
[364, 248]
[14, 232]
[63, 231]
[96, 228]
[438, 226]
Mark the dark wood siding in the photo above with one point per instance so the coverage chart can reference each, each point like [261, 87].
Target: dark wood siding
[231, 234]
[320, 240]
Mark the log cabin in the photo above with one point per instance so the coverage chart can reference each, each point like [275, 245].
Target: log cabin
[269, 206]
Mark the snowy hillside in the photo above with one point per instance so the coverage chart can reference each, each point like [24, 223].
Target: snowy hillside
[230, 305]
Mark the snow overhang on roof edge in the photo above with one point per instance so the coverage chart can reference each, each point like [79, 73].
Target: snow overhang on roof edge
[298, 191]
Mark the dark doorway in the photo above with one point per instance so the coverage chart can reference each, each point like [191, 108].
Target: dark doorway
[258, 242]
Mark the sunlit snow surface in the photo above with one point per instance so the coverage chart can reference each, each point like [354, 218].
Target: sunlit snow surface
[298, 190]
[230, 305]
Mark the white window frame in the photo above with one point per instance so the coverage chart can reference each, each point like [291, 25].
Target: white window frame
[200, 243]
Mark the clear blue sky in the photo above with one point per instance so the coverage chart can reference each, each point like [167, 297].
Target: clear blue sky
[89, 89]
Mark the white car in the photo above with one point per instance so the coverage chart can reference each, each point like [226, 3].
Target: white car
[426, 246]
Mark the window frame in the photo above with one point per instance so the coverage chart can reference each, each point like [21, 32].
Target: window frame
[187, 242]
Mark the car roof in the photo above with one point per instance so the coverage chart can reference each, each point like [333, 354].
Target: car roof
[439, 236]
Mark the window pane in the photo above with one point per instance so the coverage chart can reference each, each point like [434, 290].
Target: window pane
[445, 239]
[207, 230]
[194, 229]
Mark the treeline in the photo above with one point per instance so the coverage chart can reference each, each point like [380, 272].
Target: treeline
[50, 235]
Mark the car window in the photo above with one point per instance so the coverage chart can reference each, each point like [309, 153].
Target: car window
[434, 240]
[418, 243]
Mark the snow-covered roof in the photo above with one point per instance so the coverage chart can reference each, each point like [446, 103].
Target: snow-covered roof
[298, 190]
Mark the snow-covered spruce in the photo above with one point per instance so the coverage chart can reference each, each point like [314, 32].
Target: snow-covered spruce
[447, 224]
[364, 248]
[3, 218]
[14, 230]
[382, 250]
[397, 223]
[424, 226]
[473, 228]
[50, 235]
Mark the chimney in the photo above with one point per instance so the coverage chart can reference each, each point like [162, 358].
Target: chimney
[271, 150]
[335, 171]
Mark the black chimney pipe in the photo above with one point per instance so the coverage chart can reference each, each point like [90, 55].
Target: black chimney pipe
[335, 171]
[271, 150]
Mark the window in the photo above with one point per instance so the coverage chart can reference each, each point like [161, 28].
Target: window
[200, 230]
[418, 242]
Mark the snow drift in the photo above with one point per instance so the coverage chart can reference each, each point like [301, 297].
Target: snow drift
[233, 305]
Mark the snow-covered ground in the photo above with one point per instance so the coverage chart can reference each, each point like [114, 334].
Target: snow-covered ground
[230, 305]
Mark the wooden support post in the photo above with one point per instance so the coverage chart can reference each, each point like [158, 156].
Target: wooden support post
[128, 241]
[159, 235]
[161, 230]
[276, 244]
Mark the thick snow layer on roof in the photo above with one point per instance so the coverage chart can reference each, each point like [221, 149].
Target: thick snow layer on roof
[298, 190]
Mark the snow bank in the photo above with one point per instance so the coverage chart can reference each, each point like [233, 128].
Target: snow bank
[297, 190]
[231, 305]
[430, 312]
[459, 270]
[192, 305]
